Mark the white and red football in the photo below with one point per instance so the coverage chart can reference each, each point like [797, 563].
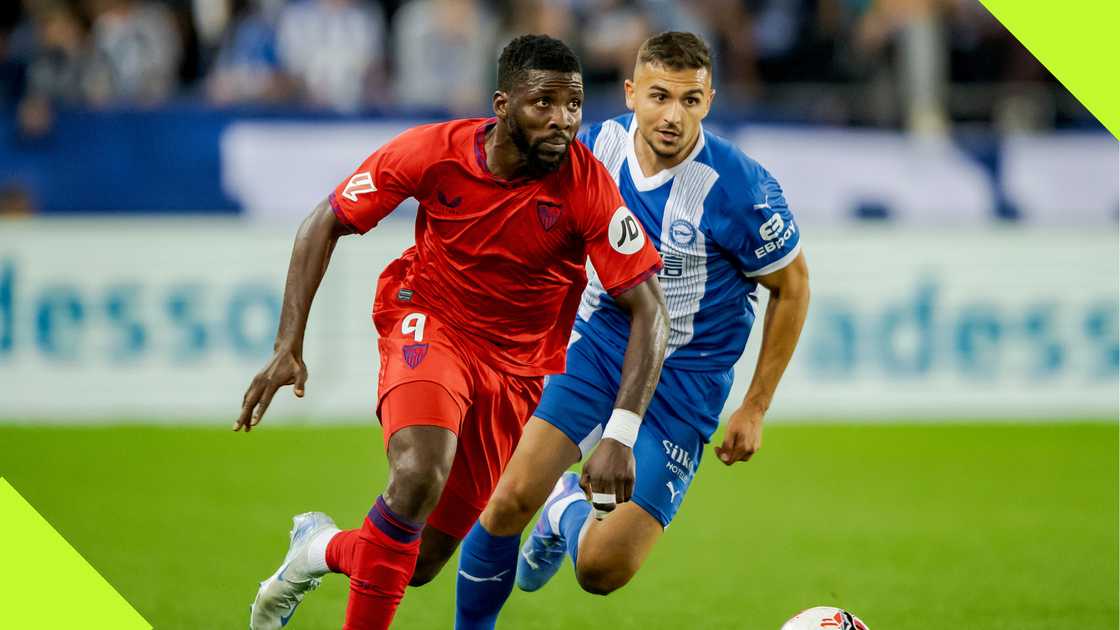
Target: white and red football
[825, 618]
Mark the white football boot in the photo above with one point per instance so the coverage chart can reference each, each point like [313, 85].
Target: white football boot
[282, 592]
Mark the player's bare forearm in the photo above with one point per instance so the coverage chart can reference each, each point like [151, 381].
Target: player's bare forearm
[645, 351]
[609, 473]
[312, 251]
[311, 254]
[781, 329]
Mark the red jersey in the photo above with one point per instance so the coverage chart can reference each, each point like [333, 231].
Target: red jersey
[502, 261]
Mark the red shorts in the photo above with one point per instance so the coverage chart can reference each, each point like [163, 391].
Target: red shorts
[493, 406]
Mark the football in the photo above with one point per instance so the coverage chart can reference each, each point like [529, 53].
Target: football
[825, 617]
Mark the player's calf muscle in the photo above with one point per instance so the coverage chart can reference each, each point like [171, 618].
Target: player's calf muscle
[613, 550]
[604, 568]
[600, 577]
[436, 548]
[426, 570]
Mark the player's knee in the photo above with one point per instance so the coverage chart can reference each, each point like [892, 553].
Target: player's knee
[511, 507]
[414, 488]
[603, 578]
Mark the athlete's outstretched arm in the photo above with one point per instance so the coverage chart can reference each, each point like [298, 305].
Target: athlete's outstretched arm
[311, 253]
[610, 469]
[781, 328]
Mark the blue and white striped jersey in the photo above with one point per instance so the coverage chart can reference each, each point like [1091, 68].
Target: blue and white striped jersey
[719, 220]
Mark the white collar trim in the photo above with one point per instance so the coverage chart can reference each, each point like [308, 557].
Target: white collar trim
[643, 183]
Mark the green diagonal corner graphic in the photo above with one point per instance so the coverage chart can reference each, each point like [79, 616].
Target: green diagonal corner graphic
[1078, 43]
[46, 584]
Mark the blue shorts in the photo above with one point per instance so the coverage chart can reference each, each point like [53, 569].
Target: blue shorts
[680, 420]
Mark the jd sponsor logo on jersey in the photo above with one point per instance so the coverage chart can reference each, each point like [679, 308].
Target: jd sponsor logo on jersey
[548, 213]
[682, 232]
[358, 184]
[680, 461]
[625, 234]
[775, 236]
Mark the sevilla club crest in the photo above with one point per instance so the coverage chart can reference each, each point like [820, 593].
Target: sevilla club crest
[414, 353]
[548, 213]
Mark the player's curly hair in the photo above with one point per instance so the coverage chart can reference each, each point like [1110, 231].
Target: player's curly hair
[533, 52]
[676, 50]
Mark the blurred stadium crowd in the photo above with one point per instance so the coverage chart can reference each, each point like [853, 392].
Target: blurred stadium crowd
[925, 65]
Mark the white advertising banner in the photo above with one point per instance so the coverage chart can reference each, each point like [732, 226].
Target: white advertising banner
[168, 320]
[279, 170]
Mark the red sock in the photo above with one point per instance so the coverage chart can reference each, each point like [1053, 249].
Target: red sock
[380, 559]
[340, 551]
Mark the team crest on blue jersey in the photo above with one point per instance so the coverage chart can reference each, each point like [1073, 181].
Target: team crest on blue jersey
[548, 213]
[414, 353]
[682, 232]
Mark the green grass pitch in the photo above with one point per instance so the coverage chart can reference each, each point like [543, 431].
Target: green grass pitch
[913, 527]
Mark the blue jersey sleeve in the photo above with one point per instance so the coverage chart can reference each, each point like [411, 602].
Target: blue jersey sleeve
[756, 226]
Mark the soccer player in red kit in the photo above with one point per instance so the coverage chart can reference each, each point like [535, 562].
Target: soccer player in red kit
[470, 320]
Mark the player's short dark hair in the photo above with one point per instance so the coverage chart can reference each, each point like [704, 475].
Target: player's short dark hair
[676, 50]
[533, 52]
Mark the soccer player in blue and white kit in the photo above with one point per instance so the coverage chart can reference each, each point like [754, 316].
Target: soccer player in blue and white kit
[722, 226]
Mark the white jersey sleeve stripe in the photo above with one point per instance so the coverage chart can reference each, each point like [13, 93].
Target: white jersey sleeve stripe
[592, 297]
[610, 147]
[685, 258]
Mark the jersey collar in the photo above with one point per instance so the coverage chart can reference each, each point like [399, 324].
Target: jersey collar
[645, 184]
[480, 156]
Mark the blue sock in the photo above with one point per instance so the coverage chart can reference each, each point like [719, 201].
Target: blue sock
[487, 569]
[571, 524]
